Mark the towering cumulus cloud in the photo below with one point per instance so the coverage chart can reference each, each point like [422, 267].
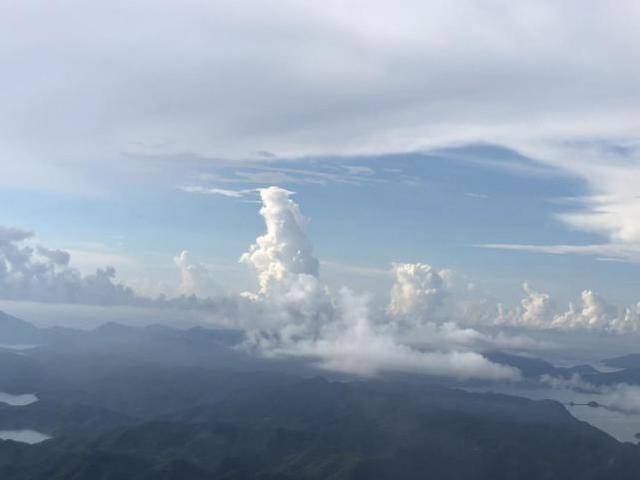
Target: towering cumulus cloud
[536, 311]
[298, 316]
[592, 313]
[284, 251]
[194, 277]
[291, 296]
[418, 290]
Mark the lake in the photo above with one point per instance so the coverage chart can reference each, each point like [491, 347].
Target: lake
[24, 436]
[18, 400]
[620, 425]
[17, 347]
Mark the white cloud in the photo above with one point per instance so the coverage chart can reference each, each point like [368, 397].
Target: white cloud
[626, 252]
[610, 169]
[537, 308]
[418, 291]
[296, 315]
[284, 250]
[352, 345]
[629, 322]
[40, 274]
[359, 170]
[194, 277]
[450, 335]
[291, 296]
[362, 77]
[217, 191]
[592, 314]
[426, 307]
[538, 311]
[358, 78]
[480, 196]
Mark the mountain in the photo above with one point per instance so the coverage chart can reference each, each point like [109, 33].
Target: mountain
[625, 361]
[533, 368]
[158, 344]
[628, 375]
[316, 429]
[529, 367]
[161, 403]
[14, 331]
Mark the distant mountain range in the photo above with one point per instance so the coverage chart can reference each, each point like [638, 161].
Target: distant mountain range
[625, 361]
[535, 367]
[16, 331]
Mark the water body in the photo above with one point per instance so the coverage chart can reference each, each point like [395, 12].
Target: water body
[24, 436]
[622, 426]
[18, 400]
[16, 346]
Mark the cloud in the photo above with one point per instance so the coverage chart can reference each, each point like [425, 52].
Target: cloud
[385, 80]
[538, 311]
[352, 345]
[592, 314]
[57, 257]
[359, 170]
[418, 291]
[451, 335]
[479, 196]
[283, 251]
[34, 273]
[401, 73]
[537, 308]
[629, 322]
[194, 277]
[298, 317]
[293, 307]
[610, 170]
[425, 304]
[627, 252]
[290, 296]
[217, 191]
[37, 273]
[284, 172]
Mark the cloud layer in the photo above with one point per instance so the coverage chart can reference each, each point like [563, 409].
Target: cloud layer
[363, 77]
[300, 317]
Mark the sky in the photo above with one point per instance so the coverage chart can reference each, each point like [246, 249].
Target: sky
[496, 140]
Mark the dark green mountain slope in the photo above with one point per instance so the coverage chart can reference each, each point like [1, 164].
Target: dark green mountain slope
[316, 429]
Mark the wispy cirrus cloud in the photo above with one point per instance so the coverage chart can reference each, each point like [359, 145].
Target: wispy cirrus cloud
[216, 191]
[617, 251]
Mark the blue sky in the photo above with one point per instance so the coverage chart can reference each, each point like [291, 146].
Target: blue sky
[498, 139]
[435, 207]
